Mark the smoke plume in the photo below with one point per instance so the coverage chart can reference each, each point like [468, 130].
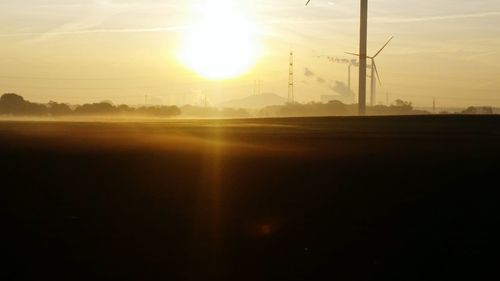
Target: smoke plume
[308, 72]
[341, 88]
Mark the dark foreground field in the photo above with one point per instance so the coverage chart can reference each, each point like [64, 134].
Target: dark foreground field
[385, 198]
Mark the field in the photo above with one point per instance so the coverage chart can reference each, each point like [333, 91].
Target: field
[393, 198]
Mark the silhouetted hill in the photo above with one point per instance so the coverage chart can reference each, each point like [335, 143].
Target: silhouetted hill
[255, 101]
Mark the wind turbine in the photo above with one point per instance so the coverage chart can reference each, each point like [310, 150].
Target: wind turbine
[374, 71]
[363, 39]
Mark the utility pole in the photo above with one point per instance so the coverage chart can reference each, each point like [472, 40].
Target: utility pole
[387, 98]
[291, 97]
[434, 105]
[363, 42]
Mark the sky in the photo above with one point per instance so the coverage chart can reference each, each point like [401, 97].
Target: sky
[80, 51]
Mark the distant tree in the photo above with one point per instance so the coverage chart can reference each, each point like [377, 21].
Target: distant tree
[159, 111]
[401, 107]
[125, 109]
[269, 111]
[470, 110]
[336, 107]
[234, 113]
[200, 111]
[102, 108]
[401, 103]
[486, 110]
[13, 104]
[59, 109]
[293, 109]
[378, 110]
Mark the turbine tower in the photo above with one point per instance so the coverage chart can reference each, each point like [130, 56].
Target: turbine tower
[374, 72]
[363, 39]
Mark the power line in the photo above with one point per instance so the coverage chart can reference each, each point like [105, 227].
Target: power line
[76, 88]
[74, 79]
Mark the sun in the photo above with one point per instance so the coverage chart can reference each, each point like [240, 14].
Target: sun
[222, 44]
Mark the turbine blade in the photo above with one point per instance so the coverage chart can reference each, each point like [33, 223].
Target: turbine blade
[352, 54]
[308, 2]
[383, 47]
[376, 72]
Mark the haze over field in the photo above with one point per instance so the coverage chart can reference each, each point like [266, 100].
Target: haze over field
[223, 140]
[86, 51]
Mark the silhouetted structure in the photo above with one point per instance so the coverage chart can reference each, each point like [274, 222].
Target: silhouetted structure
[374, 74]
[363, 43]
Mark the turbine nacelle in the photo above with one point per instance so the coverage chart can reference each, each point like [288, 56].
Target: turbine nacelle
[372, 58]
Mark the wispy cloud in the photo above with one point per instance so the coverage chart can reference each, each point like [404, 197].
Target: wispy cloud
[390, 19]
[437, 18]
[90, 31]
[95, 14]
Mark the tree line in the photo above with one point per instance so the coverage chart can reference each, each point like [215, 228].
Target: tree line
[337, 108]
[16, 105]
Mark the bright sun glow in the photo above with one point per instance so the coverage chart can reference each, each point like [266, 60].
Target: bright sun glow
[222, 44]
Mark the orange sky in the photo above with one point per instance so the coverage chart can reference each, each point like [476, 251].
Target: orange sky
[86, 51]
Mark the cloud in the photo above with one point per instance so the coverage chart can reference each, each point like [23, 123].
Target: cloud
[320, 80]
[437, 18]
[90, 18]
[93, 14]
[392, 19]
[90, 31]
